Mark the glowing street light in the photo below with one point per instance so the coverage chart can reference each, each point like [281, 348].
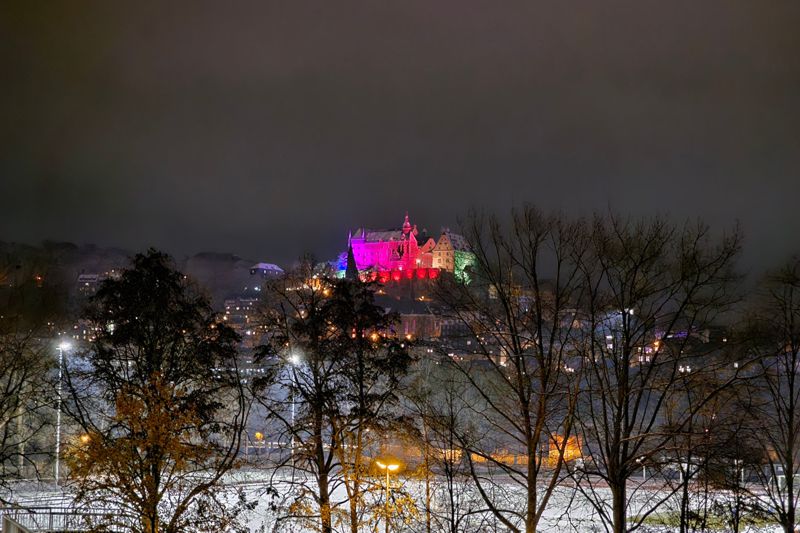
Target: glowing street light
[63, 346]
[640, 462]
[295, 360]
[388, 467]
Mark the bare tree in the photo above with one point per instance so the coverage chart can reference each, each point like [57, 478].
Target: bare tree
[439, 399]
[652, 286]
[774, 338]
[518, 316]
[25, 404]
[733, 461]
[706, 449]
[31, 303]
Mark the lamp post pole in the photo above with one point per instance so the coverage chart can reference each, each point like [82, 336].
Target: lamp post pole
[292, 431]
[61, 347]
[387, 500]
[295, 361]
[388, 467]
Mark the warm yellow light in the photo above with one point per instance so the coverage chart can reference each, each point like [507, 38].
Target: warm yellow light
[259, 435]
[85, 439]
[374, 337]
[391, 467]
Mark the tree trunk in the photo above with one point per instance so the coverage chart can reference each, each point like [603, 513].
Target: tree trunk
[530, 514]
[788, 527]
[620, 519]
[323, 482]
[150, 524]
[354, 498]
[684, 514]
[324, 504]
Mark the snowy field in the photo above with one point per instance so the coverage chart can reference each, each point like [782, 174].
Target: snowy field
[568, 510]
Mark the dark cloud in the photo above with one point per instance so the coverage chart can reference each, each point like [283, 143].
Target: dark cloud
[270, 128]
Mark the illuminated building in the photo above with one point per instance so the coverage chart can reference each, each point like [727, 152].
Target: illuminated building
[88, 283]
[391, 249]
[401, 254]
[241, 315]
[569, 449]
[452, 254]
[266, 270]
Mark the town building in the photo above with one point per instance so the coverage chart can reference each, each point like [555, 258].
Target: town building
[266, 270]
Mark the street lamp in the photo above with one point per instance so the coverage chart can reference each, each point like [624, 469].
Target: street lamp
[640, 461]
[388, 467]
[62, 347]
[295, 360]
[740, 467]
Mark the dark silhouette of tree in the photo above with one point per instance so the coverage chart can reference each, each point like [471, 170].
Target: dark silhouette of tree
[439, 399]
[339, 367]
[158, 402]
[32, 302]
[773, 338]
[708, 449]
[652, 287]
[25, 407]
[519, 315]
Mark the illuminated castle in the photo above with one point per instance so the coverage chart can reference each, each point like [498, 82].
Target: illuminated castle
[395, 254]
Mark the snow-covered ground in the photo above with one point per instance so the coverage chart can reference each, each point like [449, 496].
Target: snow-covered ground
[568, 510]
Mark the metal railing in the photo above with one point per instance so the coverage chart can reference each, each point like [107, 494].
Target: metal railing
[11, 526]
[62, 520]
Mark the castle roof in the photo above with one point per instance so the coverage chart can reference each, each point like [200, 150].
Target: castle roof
[458, 242]
[376, 235]
[382, 235]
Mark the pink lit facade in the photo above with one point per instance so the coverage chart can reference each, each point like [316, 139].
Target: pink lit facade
[394, 255]
[391, 250]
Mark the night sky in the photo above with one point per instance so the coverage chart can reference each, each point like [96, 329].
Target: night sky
[271, 128]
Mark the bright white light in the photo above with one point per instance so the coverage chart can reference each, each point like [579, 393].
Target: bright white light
[294, 359]
[64, 345]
